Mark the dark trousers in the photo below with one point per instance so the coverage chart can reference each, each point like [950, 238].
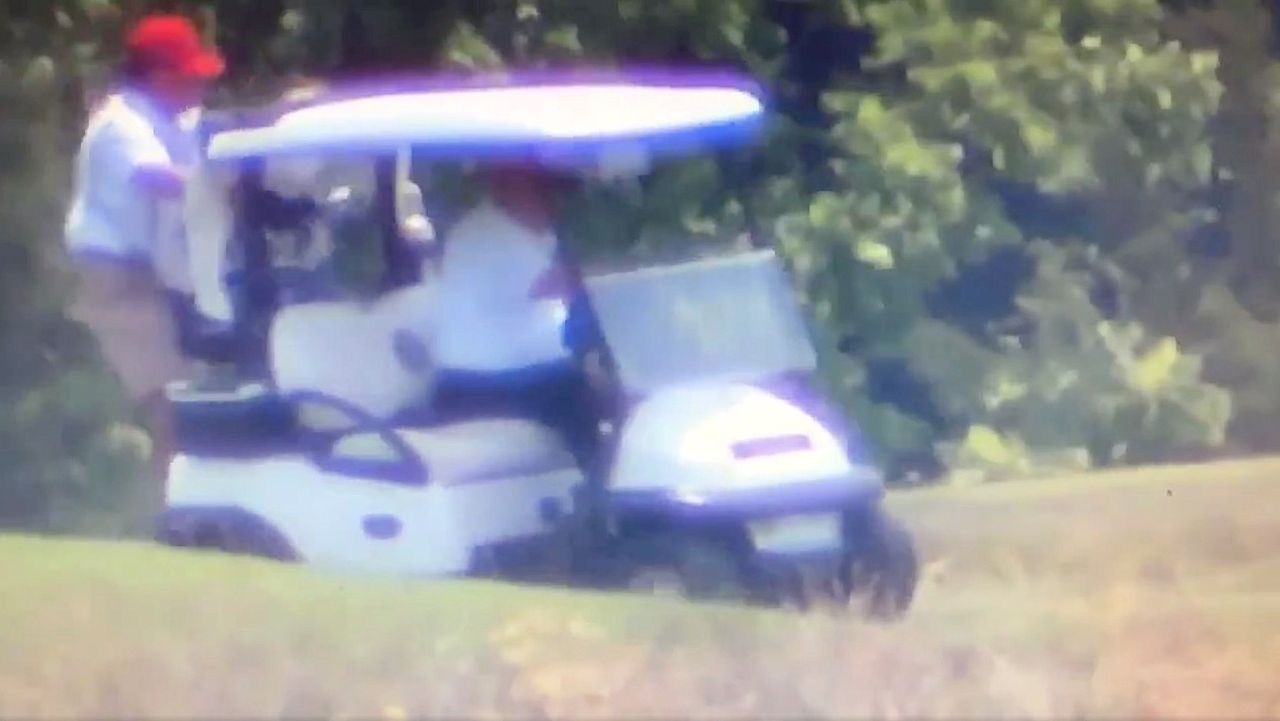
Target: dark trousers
[555, 395]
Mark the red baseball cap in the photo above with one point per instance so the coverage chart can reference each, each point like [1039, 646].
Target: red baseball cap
[171, 42]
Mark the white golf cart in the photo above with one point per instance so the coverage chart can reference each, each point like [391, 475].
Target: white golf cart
[728, 471]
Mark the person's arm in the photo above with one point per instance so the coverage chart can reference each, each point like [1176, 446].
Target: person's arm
[582, 334]
[144, 162]
[562, 280]
[585, 340]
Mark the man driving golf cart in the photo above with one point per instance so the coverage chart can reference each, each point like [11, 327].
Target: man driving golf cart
[506, 294]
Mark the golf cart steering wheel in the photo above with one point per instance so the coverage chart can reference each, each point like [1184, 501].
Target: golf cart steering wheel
[404, 468]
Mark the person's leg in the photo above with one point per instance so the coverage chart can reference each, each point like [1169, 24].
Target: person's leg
[556, 396]
[461, 395]
[157, 414]
[128, 313]
[560, 398]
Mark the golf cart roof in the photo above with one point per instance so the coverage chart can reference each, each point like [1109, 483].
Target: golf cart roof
[568, 117]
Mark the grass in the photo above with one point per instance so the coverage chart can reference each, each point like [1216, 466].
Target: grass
[1139, 594]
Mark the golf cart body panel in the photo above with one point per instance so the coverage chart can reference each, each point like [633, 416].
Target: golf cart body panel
[696, 346]
[347, 523]
[360, 353]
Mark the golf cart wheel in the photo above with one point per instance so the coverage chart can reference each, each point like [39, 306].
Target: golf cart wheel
[825, 589]
[236, 534]
[258, 543]
[881, 564]
[679, 565]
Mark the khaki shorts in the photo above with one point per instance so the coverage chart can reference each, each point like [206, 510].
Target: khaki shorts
[128, 312]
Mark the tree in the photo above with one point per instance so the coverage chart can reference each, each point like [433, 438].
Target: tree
[1237, 321]
[70, 463]
[1082, 103]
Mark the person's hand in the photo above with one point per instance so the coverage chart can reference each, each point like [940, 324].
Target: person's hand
[417, 228]
[555, 283]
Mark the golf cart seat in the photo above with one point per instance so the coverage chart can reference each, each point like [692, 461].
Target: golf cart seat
[371, 356]
[346, 368]
[477, 451]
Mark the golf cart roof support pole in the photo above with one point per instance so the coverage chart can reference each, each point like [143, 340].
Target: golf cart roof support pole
[261, 294]
[404, 164]
[400, 268]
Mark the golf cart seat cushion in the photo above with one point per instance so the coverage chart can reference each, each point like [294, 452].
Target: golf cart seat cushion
[481, 450]
[356, 352]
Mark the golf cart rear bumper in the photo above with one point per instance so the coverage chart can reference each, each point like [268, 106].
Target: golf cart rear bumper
[750, 503]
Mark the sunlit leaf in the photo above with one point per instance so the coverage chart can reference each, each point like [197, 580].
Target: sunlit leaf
[989, 446]
[873, 253]
[1155, 368]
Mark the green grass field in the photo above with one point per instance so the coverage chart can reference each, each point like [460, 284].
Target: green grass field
[1138, 594]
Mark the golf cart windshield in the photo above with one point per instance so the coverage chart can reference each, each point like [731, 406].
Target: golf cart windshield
[725, 317]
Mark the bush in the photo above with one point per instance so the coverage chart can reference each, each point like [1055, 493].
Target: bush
[1075, 390]
[71, 461]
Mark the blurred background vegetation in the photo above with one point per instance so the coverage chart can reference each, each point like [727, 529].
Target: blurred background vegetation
[1034, 234]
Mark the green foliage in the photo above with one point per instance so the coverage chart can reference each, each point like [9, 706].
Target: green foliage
[1081, 388]
[1241, 355]
[1084, 101]
[1247, 147]
[1232, 321]
[70, 463]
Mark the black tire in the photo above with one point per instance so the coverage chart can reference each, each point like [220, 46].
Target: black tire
[818, 589]
[680, 565]
[258, 541]
[882, 564]
[235, 534]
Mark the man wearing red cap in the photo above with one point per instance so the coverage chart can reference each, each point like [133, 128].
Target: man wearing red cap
[124, 231]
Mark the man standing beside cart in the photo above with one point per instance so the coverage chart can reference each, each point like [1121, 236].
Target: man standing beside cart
[124, 230]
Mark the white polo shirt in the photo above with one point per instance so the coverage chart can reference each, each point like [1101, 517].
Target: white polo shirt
[488, 319]
[109, 214]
